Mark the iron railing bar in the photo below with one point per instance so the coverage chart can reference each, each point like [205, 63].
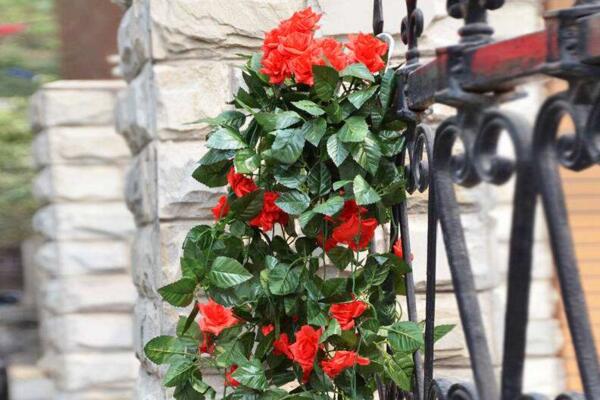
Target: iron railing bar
[460, 265]
[561, 243]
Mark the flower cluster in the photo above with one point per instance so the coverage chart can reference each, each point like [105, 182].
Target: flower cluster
[242, 186]
[291, 49]
[307, 309]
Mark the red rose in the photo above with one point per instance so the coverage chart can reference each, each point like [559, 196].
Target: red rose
[304, 350]
[301, 67]
[356, 232]
[275, 66]
[229, 381]
[267, 329]
[341, 360]
[330, 243]
[334, 53]
[350, 209]
[240, 185]
[221, 209]
[345, 313]
[216, 318]
[296, 44]
[207, 346]
[270, 213]
[282, 346]
[367, 49]
[305, 20]
[398, 251]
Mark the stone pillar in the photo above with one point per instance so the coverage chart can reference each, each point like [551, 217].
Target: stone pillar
[86, 296]
[179, 59]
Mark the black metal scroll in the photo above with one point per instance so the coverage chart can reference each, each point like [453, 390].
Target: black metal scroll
[475, 76]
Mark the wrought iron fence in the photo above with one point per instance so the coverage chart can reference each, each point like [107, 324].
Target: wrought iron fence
[475, 76]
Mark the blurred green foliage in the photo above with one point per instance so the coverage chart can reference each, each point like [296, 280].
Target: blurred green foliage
[34, 52]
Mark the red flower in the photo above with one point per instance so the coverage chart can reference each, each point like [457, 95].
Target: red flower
[221, 209]
[356, 232]
[350, 209]
[275, 67]
[296, 44]
[330, 243]
[216, 318]
[367, 49]
[11, 29]
[304, 21]
[267, 329]
[270, 214]
[341, 360]
[345, 313]
[229, 381]
[304, 350]
[301, 66]
[207, 346]
[398, 251]
[334, 53]
[240, 185]
[282, 346]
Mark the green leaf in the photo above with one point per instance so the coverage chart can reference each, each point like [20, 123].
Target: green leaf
[306, 217]
[333, 329]
[231, 118]
[180, 293]
[291, 178]
[288, 145]
[247, 207]
[184, 325]
[388, 82]
[246, 161]
[374, 274]
[336, 150]
[283, 279]
[227, 272]
[367, 154]
[340, 256]
[310, 107]
[229, 352]
[179, 371]
[396, 373]
[213, 175]
[330, 207]
[340, 184]
[355, 130]
[326, 80]
[251, 374]
[213, 156]
[358, 71]
[226, 138]
[315, 314]
[314, 130]
[319, 179]
[293, 202]
[405, 337]
[360, 97]
[364, 193]
[280, 120]
[440, 331]
[160, 349]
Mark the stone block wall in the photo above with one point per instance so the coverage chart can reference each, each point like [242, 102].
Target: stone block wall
[178, 58]
[85, 292]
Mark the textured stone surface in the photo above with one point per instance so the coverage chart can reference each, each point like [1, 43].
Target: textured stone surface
[90, 183]
[79, 146]
[74, 103]
[79, 258]
[213, 28]
[101, 293]
[134, 40]
[91, 332]
[93, 371]
[84, 221]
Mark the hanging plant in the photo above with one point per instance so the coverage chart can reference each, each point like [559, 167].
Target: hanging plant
[298, 305]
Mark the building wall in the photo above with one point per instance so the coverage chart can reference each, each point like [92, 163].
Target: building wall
[179, 58]
[85, 291]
